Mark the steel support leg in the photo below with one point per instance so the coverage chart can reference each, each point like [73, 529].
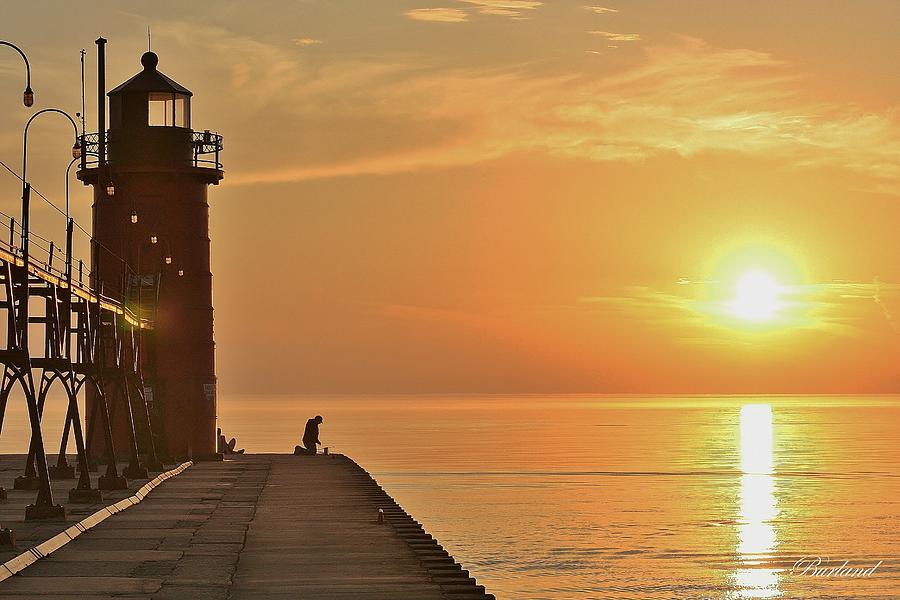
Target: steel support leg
[43, 507]
[111, 480]
[82, 493]
[134, 470]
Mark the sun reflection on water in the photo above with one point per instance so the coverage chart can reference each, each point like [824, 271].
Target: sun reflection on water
[758, 507]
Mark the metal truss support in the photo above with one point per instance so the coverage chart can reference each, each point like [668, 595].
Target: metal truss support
[17, 366]
[89, 342]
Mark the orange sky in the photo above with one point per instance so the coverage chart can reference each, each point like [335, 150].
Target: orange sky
[519, 196]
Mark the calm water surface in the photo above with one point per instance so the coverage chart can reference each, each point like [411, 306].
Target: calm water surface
[643, 498]
[639, 498]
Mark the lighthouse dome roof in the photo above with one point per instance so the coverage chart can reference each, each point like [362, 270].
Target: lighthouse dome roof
[150, 80]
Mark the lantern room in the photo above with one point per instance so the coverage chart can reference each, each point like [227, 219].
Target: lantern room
[150, 119]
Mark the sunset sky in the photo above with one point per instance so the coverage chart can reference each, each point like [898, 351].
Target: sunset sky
[507, 196]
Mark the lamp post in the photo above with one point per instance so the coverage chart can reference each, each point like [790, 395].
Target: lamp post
[69, 231]
[28, 94]
[26, 187]
[68, 170]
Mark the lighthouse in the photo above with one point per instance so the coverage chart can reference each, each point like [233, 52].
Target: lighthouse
[150, 174]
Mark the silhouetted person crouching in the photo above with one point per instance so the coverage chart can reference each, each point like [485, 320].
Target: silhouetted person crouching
[225, 446]
[310, 437]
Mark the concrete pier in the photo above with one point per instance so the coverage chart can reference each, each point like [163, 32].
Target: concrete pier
[29, 533]
[256, 526]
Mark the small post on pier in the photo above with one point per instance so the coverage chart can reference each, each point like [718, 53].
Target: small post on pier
[7, 538]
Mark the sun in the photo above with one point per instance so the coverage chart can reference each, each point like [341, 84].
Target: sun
[756, 287]
[756, 297]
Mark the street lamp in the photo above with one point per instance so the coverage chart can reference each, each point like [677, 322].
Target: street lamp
[69, 168]
[28, 94]
[76, 147]
[69, 225]
[26, 188]
[69, 228]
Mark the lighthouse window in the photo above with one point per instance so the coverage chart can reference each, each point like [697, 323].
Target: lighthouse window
[168, 110]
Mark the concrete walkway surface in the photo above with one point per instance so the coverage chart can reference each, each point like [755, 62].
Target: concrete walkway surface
[254, 527]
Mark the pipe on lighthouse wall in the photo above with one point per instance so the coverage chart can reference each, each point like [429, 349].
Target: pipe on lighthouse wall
[101, 100]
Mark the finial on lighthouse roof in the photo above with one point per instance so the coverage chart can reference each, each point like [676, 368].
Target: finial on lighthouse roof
[150, 60]
[149, 80]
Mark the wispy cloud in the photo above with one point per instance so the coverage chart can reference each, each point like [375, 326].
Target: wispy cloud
[501, 8]
[601, 10]
[879, 296]
[504, 7]
[618, 37]
[305, 41]
[499, 12]
[833, 307]
[438, 15]
[836, 296]
[684, 98]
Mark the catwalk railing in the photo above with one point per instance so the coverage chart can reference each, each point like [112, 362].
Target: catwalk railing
[205, 147]
[52, 269]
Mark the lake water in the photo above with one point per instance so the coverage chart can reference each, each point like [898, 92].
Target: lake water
[638, 497]
[621, 497]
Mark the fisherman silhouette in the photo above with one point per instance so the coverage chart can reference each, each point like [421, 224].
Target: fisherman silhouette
[310, 437]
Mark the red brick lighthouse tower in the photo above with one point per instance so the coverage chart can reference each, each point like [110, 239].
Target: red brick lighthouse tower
[150, 180]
